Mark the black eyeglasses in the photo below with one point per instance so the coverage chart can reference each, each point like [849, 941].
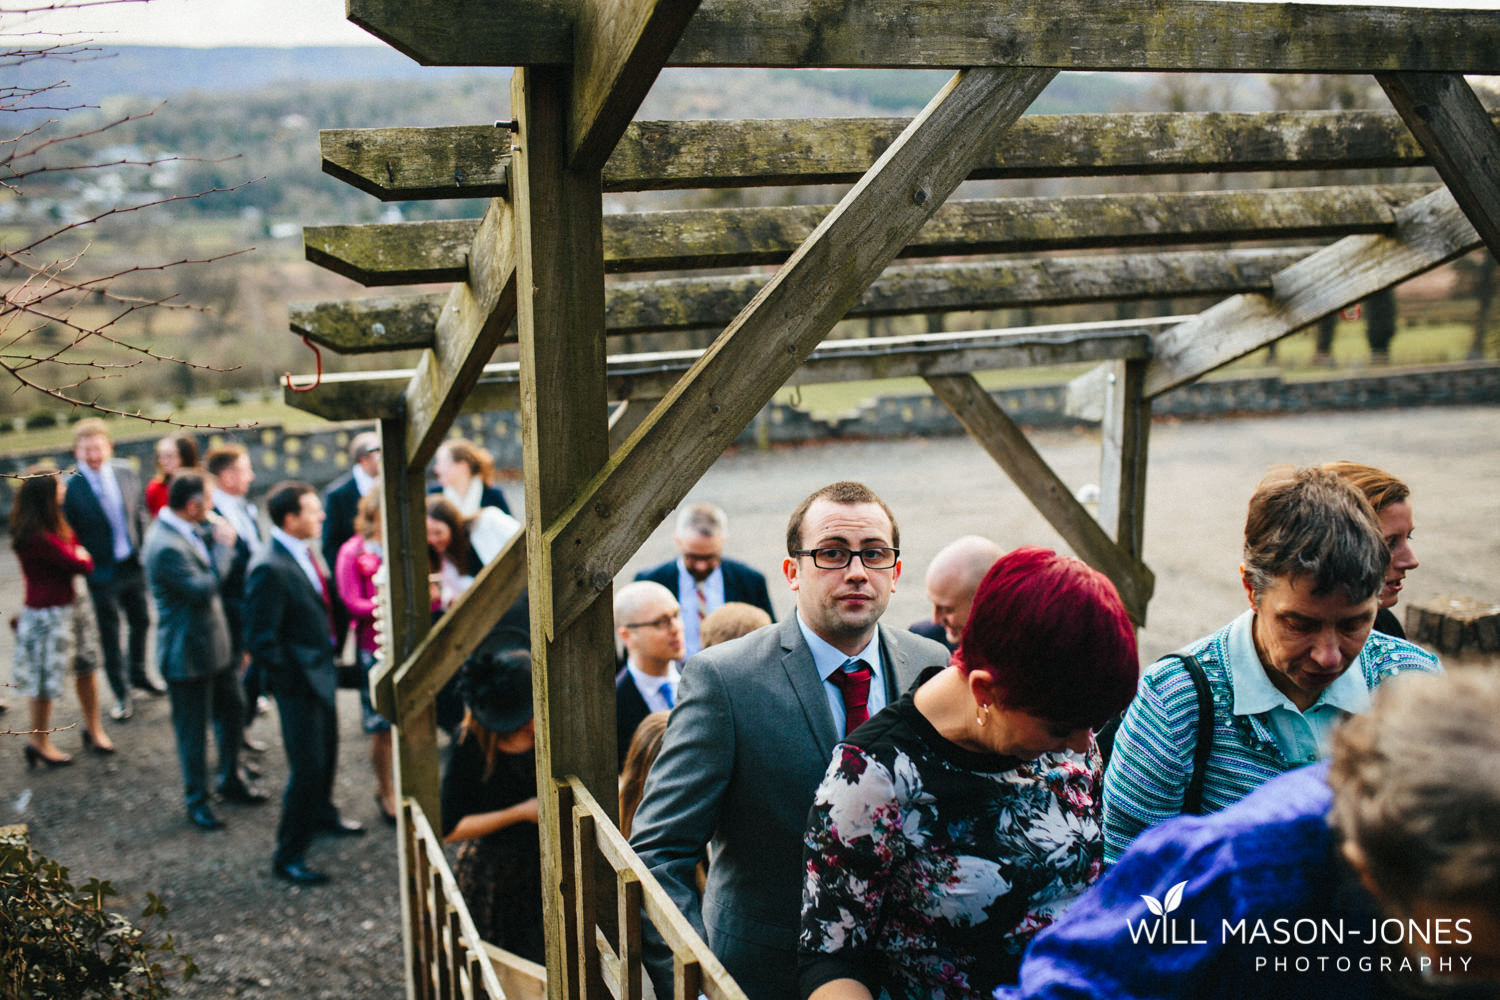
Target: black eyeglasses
[665, 621]
[837, 557]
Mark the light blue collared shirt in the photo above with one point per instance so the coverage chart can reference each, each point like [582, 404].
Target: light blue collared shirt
[300, 550]
[1301, 736]
[827, 659]
[650, 686]
[171, 519]
[687, 597]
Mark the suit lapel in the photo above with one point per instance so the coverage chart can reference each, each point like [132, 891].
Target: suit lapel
[293, 567]
[807, 686]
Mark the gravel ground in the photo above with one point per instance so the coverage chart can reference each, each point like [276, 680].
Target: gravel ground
[121, 817]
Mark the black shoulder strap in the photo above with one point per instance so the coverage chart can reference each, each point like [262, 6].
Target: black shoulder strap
[1192, 800]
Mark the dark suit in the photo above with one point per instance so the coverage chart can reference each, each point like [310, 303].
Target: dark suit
[232, 590]
[340, 504]
[195, 655]
[630, 709]
[741, 583]
[289, 638]
[750, 739]
[115, 586]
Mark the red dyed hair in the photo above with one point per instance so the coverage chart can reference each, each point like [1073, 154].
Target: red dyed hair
[1055, 636]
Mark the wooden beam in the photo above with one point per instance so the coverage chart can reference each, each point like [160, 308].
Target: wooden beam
[1431, 231]
[470, 327]
[565, 441]
[591, 540]
[988, 424]
[419, 677]
[619, 47]
[354, 326]
[385, 254]
[651, 376]
[397, 164]
[1169, 35]
[1460, 138]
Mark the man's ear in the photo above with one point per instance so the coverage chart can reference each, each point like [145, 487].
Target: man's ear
[1249, 587]
[1356, 858]
[789, 570]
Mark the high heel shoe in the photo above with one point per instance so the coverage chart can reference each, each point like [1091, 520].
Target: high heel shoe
[93, 746]
[35, 756]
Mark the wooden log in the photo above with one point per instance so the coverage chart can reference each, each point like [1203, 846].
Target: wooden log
[1460, 138]
[1006, 443]
[638, 488]
[398, 164]
[1455, 625]
[619, 47]
[470, 327]
[390, 322]
[1429, 232]
[388, 254]
[1170, 35]
[651, 376]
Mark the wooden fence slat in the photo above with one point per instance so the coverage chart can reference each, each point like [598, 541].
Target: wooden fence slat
[630, 936]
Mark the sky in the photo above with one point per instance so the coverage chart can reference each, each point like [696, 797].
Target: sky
[204, 23]
[207, 23]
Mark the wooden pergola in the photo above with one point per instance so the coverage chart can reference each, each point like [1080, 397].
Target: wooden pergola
[598, 482]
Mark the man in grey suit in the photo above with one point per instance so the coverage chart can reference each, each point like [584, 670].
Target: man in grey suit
[185, 560]
[754, 729]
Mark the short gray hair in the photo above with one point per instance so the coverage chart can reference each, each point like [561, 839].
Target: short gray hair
[702, 519]
[1310, 522]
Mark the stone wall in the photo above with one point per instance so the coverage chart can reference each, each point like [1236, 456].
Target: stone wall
[319, 456]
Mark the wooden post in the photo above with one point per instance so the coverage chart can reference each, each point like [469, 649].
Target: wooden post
[560, 281]
[404, 529]
[1122, 476]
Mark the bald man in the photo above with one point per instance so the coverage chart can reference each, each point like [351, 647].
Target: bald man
[952, 578]
[649, 624]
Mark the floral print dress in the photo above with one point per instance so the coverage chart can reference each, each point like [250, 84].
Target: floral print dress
[929, 867]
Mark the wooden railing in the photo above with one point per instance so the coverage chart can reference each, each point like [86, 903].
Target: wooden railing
[448, 958]
[614, 962]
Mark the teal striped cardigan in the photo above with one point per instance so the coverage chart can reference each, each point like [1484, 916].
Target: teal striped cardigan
[1153, 753]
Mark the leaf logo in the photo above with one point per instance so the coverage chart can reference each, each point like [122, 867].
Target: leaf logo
[1171, 901]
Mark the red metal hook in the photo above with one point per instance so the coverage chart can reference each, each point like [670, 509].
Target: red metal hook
[318, 378]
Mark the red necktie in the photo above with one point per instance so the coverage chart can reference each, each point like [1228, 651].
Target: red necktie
[333, 631]
[853, 681]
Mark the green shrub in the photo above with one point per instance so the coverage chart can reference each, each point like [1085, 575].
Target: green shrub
[60, 942]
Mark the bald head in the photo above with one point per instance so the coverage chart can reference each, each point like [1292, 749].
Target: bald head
[649, 625]
[954, 576]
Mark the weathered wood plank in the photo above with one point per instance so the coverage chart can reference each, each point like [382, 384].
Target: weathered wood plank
[640, 485]
[470, 327]
[364, 326]
[619, 47]
[470, 160]
[419, 676]
[565, 440]
[1431, 231]
[650, 376]
[988, 424]
[1063, 34]
[738, 237]
[1460, 138]
[355, 326]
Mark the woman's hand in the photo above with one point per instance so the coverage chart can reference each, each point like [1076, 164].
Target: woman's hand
[477, 825]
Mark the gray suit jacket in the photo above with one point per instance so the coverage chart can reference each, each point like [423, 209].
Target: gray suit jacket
[192, 634]
[747, 745]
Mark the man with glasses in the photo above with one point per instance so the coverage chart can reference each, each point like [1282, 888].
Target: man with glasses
[754, 729]
[700, 577]
[649, 624]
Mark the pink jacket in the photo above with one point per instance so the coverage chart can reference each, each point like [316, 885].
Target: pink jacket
[354, 575]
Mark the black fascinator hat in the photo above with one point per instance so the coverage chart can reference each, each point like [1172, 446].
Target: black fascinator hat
[495, 682]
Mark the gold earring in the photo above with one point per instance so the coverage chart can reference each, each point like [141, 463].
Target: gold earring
[983, 715]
